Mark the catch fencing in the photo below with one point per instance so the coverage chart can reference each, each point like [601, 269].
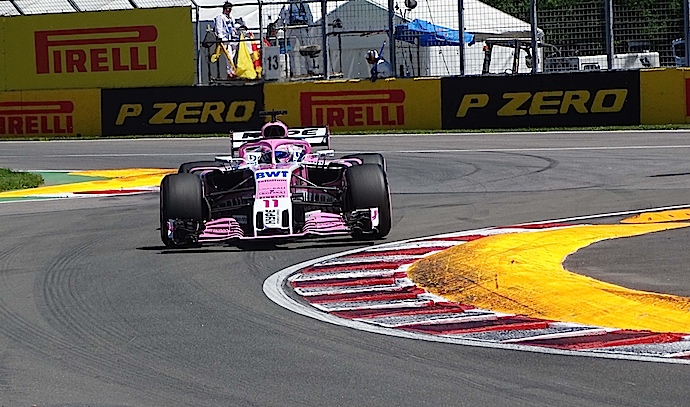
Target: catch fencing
[420, 38]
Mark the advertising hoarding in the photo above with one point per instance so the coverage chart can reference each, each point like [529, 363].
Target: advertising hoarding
[358, 105]
[180, 110]
[50, 113]
[663, 96]
[554, 100]
[106, 49]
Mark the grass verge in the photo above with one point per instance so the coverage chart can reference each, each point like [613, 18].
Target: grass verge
[11, 180]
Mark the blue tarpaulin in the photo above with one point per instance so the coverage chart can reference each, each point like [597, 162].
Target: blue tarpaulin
[426, 34]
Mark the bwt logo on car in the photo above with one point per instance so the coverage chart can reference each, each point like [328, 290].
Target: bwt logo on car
[104, 49]
[271, 174]
[353, 108]
[18, 118]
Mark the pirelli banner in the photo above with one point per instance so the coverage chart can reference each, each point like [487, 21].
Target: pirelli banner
[54, 113]
[686, 93]
[359, 105]
[180, 110]
[663, 96]
[555, 100]
[106, 49]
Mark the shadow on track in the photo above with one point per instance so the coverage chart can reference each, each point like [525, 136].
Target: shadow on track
[254, 246]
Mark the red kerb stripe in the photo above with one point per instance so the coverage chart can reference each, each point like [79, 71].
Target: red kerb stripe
[615, 338]
[536, 226]
[500, 324]
[348, 282]
[400, 312]
[406, 294]
[404, 252]
[351, 267]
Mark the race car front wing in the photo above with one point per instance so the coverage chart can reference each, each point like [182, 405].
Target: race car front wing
[316, 223]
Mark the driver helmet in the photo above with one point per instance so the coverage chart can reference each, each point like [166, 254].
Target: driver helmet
[283, 156]
[372, 56]
[288, 153]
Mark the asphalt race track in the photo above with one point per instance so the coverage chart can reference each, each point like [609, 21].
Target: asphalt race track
[95, 312]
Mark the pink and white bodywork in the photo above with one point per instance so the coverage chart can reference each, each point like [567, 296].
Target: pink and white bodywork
[274, 185]
[277, 184]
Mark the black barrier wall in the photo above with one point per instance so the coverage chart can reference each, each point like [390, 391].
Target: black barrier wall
[181, 110]
[574, 99]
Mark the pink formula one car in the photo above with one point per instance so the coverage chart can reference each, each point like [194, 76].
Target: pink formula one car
[274, 185]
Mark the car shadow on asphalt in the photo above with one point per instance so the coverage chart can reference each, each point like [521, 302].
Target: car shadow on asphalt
[254, 246]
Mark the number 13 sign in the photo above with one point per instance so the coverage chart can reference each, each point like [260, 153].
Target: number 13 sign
[273, 62]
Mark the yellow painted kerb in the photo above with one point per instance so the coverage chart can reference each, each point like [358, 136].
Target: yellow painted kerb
[131, 178]
[522, 273]
[674, 215]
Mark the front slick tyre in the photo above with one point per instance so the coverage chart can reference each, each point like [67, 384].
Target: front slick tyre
[369, 158]
[367, 187]
[180, 198]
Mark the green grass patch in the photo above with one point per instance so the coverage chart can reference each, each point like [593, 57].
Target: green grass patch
[11, 180]
[62, 178]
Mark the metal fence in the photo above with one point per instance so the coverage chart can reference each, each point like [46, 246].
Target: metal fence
[421, 37]
[330, 39]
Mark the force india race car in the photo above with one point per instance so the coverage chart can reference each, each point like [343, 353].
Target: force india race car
[273, 185]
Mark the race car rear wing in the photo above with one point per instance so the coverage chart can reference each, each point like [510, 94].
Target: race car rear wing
[315, 136]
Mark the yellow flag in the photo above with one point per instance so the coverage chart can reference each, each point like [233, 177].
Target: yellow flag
[245, 65]
[217, 53]
[222, 49]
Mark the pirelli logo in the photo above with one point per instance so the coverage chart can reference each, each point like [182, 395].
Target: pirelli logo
[353, 108]
[109, 49]
[41, 117]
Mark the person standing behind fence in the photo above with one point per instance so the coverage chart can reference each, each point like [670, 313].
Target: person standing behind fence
[295, 17]
[296, 13]
[380, 68]
[226, 29]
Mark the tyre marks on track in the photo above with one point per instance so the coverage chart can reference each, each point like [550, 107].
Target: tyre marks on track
[88, 344]
[74, 331]
[368, 289]
[100, 342]
[14, 325]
